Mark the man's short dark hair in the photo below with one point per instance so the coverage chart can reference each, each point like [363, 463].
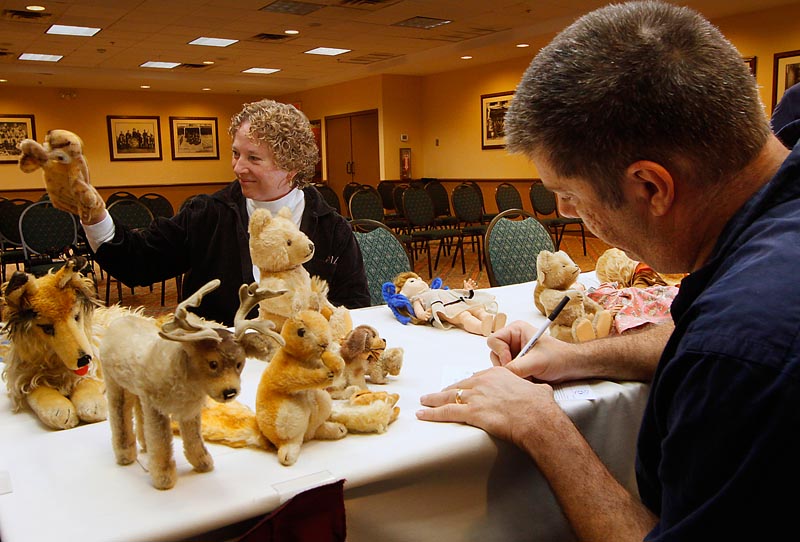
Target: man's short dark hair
[639, 81]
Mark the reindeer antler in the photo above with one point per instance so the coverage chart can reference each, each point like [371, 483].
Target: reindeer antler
[180, 328]
[249, 297]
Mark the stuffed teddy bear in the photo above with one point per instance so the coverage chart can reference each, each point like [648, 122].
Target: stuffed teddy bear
[364, 354]
[66, 173]
[614, 266]
[279, 249]
[413, 300]
[292, 405]
[582, 319]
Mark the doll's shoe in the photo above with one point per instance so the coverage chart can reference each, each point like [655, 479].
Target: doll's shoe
[499, 321]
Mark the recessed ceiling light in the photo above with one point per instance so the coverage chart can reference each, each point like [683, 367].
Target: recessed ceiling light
[212, 42]
[466, 57]
[291, 32]
[34, 8]
[161, 65]
[208, 62]
[144, 86]
[40, 58]
[327, 51]
[3, 80]
[521, 45]
[261, 70]
[65, 30]
[205, 88]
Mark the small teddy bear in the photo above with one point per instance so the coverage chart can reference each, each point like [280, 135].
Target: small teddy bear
[364, 354]
[66, 173]
[279, 249]
[413, 300]
[292, 405]
[582, 319]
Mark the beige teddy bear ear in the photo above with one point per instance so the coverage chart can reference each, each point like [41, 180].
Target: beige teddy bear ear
[542, 260]
[259, 221]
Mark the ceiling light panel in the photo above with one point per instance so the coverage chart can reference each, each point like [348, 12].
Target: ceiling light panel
[213, 42]
[40, 58]
[159, 65]
[327, 51]
[262, 71]
[65, 30]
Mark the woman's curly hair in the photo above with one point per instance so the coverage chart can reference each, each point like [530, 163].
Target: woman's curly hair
[287, 133]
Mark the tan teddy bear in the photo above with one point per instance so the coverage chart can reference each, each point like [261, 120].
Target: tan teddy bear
[292, 405]
[279, 249]
[582, 318]
[364, 353]
[66, 173]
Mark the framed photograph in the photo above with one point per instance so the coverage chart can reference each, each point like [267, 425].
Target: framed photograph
[13, 129]
[405, 164]
[493, 119]
[194, 138]
[134, 138]
[751, 63]
[786, 73]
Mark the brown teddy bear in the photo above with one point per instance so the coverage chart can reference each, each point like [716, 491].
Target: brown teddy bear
[279, 249]
[292, 405]
[364, 353]
[582, 318]
[66, 173]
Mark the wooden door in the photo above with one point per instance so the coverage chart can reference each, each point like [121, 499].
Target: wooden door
[338, 152]
[366, 167]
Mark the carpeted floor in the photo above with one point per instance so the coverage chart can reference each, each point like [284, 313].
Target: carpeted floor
[451, 276]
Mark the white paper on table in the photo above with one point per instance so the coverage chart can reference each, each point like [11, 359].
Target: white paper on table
[573, 392]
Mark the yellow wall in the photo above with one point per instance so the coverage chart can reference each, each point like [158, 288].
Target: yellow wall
[86, 115]
[443, 107]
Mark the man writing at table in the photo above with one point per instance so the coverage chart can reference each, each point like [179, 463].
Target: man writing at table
[645, 121]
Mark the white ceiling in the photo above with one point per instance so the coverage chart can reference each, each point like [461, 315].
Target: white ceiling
[135, 31]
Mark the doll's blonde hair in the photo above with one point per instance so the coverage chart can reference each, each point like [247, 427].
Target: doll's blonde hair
[287, 133]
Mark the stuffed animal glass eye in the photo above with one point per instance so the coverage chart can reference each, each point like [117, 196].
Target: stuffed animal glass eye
[301, 332]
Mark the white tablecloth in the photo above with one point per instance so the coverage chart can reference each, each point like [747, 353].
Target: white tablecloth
[418, 481]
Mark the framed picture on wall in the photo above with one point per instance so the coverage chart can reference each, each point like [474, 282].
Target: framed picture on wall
[13, 129]
[134, 138]
[786, 72]
[194, 138]
[405, 163]
[751, 63]
[493, 119]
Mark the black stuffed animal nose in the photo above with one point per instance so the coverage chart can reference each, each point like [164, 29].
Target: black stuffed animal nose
[84, 360]
[230, 393]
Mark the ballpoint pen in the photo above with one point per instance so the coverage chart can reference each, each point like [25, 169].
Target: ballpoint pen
[540, 332]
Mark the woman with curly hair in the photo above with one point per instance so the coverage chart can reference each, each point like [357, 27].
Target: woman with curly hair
[274, 153]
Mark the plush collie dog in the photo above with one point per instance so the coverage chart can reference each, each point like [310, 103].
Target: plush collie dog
[51, 364]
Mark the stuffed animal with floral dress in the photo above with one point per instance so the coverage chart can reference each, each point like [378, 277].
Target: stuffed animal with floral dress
[414, 300]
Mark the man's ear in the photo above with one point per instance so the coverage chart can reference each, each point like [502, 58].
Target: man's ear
[652, 184]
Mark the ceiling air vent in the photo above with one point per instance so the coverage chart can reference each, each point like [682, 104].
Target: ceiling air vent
[423, 22]
[265, 36]
[368, 59]
[24, 15]
[190, 66]
[292, 7]
[349, 3]
[460, 35]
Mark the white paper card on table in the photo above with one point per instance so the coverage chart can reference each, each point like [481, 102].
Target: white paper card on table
[288, 489]
[5, 482]
[455, 373]
[573, 392]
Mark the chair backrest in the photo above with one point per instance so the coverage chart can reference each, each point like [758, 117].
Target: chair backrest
[543, 200]
[45, 230]
[386, 190]
[512, 247]
[418, 207]
[480, 194]
[383, 254]
[130, 212]
[366, 203]
[10, 211]
[467, 203]
[348, 191]
[158, 204]
[330, 196]
[507, 197]
[397, 196]
[441, 201]
[120, 194]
